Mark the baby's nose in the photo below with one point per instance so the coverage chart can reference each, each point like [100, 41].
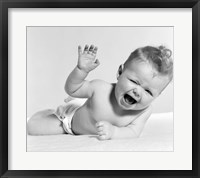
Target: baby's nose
[136, 93]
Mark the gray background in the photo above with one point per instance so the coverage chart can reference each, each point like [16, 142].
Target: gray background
[52, 54]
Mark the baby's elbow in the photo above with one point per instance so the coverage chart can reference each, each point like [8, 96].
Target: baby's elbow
[70, 91]
[135, 133]
[67, 90]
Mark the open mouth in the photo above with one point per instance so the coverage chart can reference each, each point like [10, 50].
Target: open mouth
[129, 99]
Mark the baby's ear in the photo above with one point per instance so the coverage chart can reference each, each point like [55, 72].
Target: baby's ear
[120, 70]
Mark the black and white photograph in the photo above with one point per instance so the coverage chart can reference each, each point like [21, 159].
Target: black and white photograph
[100, 88]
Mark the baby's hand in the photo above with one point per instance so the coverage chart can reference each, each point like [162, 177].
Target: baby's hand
[87, 59]
[105, 130]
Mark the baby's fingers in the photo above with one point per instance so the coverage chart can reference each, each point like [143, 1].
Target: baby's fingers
[86, 48]
[99, 128]
[95, 50]
[91, 48]
[99, 124]
[101, 131]
[79, 50]
[102, 137]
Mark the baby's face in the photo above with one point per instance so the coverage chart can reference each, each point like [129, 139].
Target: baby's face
[138, 86]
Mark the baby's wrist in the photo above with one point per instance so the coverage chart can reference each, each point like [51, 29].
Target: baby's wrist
[82, 70]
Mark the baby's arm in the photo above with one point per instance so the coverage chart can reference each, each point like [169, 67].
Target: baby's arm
[133, 130]
[76, 85]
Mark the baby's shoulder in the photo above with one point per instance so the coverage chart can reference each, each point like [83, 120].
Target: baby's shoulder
[101, 87]
[97, 83]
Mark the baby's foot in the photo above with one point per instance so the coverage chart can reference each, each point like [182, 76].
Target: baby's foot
[105, 130]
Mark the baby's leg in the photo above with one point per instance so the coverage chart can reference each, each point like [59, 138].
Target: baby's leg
[45, 123]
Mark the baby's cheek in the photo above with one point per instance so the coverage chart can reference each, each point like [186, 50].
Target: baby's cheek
[146, 100]
[150, 100]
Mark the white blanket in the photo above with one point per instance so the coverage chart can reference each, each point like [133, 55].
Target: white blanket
[157, 136]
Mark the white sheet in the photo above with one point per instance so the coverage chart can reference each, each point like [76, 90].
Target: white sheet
[157, 136]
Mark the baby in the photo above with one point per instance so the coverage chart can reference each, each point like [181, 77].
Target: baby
[112, 110]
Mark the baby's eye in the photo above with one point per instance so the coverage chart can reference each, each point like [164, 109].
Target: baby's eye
[149, 92]
[134, 82]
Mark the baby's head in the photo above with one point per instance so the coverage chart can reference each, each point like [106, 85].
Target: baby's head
[159, 58]
[143, 76]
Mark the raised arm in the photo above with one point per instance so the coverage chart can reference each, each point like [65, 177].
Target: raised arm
[76, 85]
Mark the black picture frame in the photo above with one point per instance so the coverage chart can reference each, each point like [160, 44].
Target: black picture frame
[6, 4]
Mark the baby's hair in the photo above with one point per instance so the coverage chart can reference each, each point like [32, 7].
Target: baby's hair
[158, 57]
